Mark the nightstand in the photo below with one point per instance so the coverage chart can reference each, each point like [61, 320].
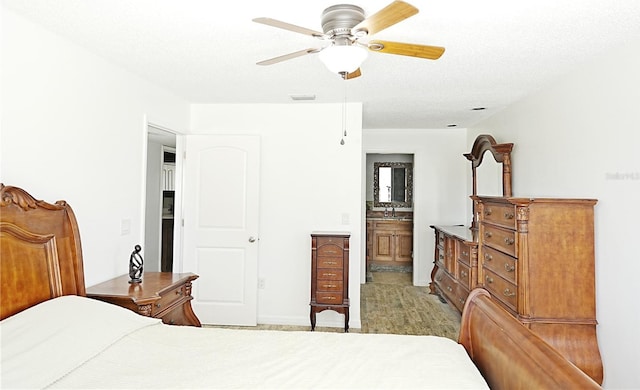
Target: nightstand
[162, 295]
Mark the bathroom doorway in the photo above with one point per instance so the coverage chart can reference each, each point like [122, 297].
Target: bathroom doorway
[389, 213]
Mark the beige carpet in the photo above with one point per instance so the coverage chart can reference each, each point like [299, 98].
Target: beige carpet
[389, 303]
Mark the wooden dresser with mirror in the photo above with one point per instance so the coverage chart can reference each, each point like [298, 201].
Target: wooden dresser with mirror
[536, 256]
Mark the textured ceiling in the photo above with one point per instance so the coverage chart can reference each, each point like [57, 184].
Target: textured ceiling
[497, 51]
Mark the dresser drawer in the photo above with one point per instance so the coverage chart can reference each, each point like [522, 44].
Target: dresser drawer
[446, 283]
[329, 246]
[500, 214]
[330, 262]
[329, 274]
[501, 289]
[461, 294]
[167, 299]
[328, 297]
[464, 275]
[501, 264]
[441, 257]
[501, 239]
[464, 253]
[329, 285]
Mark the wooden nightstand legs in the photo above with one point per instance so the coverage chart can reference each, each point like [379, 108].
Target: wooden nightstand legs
[342, 309]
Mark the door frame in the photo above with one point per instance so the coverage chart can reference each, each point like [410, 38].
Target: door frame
[177, 215]
[363, 244]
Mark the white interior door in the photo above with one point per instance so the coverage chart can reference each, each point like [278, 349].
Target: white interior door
[221, 226]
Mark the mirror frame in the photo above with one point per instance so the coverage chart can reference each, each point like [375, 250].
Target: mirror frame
[408, 203]
[501, 154]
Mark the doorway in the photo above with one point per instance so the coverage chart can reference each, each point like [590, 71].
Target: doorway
[389, 213]
[160, 197]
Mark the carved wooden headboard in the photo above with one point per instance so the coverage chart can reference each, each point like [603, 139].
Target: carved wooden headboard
[41, 255]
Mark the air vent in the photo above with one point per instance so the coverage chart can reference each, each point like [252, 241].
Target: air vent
[302, 97]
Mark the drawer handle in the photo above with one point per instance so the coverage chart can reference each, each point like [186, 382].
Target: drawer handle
[330, 298]
[488, 257]
[488, 234]
[463, 274]
[329, 286]
[449, 289]
[489, 279]
[439, 278]
[509, 268]
[508, 215]
[179, 292]
[330, 262]
[508, 293]
[330, 251]
[465, 253]
[157, 305]
[441, 257]
[509, 241]
[461, 301]
[326, 274]
[488, 211]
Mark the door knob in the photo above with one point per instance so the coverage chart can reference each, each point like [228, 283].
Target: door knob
[252, 239]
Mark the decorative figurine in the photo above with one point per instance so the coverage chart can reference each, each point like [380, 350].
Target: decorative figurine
[135, 265]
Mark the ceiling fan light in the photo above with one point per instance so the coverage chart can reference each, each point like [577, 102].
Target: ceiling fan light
[343, 59]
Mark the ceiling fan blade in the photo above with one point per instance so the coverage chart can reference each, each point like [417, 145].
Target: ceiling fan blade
[289, 56]
[407, 49]
[288, 26]
[354, 74]
[386, 17]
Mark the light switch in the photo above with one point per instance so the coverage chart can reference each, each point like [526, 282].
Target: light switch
[125, 227]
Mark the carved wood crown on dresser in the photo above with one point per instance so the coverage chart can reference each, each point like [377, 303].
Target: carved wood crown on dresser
[329, 275]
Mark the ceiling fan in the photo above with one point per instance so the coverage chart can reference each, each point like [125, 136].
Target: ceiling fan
[346, 27]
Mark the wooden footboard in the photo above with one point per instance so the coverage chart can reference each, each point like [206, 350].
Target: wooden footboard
[509, 355]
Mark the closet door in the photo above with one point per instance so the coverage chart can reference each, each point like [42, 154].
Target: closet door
[221, 226]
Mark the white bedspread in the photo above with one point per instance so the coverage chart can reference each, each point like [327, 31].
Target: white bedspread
[95, 346]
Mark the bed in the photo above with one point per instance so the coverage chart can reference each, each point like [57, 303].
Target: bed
[53, 336]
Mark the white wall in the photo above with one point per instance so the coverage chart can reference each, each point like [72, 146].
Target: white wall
[579, 137]
[439, 182]
[308, 182]
[73, 128]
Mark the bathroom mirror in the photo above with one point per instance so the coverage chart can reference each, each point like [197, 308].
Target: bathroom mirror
[393, 184]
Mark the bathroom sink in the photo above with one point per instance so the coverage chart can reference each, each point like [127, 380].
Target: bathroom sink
[391, 218]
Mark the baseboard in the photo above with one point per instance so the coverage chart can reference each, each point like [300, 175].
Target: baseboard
[324, 319]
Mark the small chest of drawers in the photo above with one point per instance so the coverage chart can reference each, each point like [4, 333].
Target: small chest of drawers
[330, 275]
[163, 295]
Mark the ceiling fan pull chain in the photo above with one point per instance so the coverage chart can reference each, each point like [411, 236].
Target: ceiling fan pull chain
[344, 110]
[344, 129]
